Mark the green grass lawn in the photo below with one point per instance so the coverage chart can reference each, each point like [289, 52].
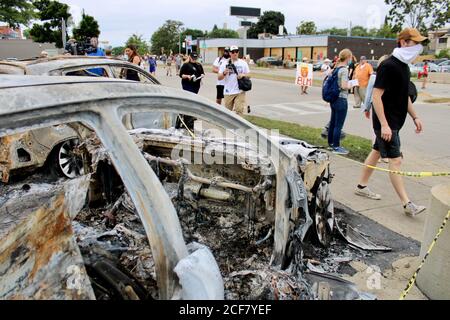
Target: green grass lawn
[359, 147]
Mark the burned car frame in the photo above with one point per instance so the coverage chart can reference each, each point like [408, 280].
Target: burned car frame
[38, 103]
[34, 149]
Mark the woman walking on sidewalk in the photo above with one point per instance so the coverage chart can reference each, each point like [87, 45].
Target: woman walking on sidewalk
[340, 106]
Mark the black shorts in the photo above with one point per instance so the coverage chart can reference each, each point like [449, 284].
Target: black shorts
[219, 91]
[391, 149]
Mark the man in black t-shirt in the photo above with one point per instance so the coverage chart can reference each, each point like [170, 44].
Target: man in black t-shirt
[391, 106]
[191, 74]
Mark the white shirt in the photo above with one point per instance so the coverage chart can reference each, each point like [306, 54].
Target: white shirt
[217, 63]
[326, 69]
[230, 81]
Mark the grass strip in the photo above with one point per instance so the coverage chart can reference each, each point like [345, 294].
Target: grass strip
[359, 147]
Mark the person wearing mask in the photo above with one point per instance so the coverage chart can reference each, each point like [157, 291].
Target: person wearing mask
[392, 104]
[230, 72]
[362, 75]
[340, 106]
[191, 74]
[216, 65]
[132, 56]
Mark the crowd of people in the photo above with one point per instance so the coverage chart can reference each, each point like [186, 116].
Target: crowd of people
[384, 96]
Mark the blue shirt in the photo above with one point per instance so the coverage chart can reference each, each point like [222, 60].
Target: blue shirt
[98, 53]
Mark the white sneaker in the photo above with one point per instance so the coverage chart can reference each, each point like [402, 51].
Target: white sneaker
[413, 210]
[366, 192]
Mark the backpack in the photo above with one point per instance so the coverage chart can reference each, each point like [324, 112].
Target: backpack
[330, 88]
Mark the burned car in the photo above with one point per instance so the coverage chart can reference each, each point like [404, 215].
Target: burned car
[54, 146]
[179, 214]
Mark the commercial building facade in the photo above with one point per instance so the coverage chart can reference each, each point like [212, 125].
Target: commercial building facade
[295, 48]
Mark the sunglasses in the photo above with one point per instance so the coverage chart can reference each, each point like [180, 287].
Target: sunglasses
[235, 51]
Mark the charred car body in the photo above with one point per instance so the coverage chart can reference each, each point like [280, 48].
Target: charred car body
[55, 145]
[270, 199]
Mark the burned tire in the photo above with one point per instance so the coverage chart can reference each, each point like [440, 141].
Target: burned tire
[322, 212]
[65, 161]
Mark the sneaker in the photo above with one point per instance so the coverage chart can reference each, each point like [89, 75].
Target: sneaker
[413, 210]
[330, 148]
[366, 192]
[340, 150]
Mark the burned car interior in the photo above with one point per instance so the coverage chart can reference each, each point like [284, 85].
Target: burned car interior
[145, 213]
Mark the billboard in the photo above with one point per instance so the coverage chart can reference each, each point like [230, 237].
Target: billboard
[246, 23]
[245, 12]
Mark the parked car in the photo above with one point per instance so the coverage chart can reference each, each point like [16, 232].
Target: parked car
[445, 66]
[317, 66]
[418, 67]
[282, 192]
[271, 61]
[53, 145]
[75, 66]
[439, 61]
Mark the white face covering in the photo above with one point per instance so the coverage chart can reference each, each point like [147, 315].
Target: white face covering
[408, 54]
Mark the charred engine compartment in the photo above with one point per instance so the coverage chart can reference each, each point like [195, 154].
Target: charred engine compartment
[225, 198]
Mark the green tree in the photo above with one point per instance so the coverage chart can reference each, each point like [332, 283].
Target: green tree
[141, 45]
[26, 33]
[307, 27]
[16, 12]
[445, 53]
[116, 51]
[335, 31]
[50, 13]
[424, 15]
[386, 31]
[222, 34]
[269, 22]
[88, 28]
[359, 31]
[167, 37]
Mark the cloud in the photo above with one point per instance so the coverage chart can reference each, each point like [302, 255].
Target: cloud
[119, 19]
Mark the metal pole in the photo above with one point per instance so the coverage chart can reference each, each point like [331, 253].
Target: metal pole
[245, 41]
[179, 41]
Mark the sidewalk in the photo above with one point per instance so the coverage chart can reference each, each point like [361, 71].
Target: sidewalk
[387, 211]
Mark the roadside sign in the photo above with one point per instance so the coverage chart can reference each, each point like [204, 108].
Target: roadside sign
[304, 76]
[245, 12]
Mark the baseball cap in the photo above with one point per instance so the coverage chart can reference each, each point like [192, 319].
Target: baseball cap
[411, 34]
[226, 49]
[193, 55]
[363, 58]
[232, 48]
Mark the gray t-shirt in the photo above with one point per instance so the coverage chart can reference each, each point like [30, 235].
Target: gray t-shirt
[343, 77]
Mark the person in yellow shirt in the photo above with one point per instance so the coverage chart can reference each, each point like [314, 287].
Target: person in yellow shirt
[362, 74]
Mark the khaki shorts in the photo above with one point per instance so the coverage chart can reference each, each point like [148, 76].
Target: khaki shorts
[236, 103]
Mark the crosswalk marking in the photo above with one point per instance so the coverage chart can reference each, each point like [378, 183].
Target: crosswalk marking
[298, 108]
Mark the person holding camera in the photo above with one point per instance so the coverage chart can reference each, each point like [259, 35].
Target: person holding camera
[191, 74]
[236, 69]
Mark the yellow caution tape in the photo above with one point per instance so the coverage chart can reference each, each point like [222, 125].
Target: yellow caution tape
[412, 174]
[413, 279]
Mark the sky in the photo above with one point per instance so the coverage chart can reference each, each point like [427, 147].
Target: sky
[120, 19]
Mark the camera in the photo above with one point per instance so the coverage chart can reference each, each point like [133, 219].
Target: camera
[230, 67]
[80, 48]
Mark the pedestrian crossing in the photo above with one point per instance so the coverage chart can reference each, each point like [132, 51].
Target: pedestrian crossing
[296, 108]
